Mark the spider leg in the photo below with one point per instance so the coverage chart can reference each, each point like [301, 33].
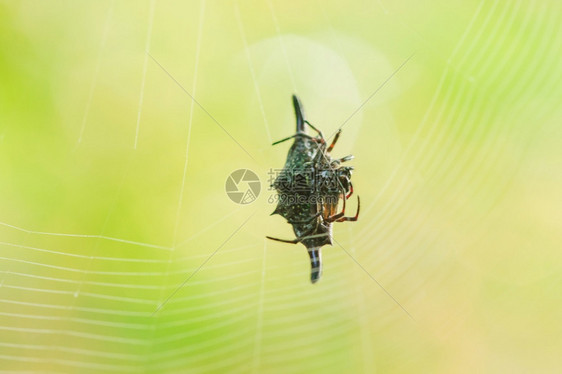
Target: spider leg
[342, 219]
[334, 142]
[315, 129]
[294, 241]
[336, 163]
[338, 216]
[350, 190]
[298, 240]
[294, 136]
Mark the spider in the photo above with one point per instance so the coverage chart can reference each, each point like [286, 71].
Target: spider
[310, 187]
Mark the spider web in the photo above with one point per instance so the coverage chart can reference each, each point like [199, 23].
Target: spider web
[134, 205]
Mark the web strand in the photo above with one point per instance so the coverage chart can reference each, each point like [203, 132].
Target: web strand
[144, 68]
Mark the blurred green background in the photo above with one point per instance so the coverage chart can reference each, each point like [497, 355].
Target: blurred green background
[112, 186]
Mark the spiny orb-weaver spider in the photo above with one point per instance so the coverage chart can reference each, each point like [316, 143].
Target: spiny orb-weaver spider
[310, 187]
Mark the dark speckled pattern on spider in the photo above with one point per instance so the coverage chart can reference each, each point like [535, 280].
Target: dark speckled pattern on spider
[310, 187]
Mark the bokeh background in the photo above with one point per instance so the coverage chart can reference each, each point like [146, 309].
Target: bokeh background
[112, 186]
